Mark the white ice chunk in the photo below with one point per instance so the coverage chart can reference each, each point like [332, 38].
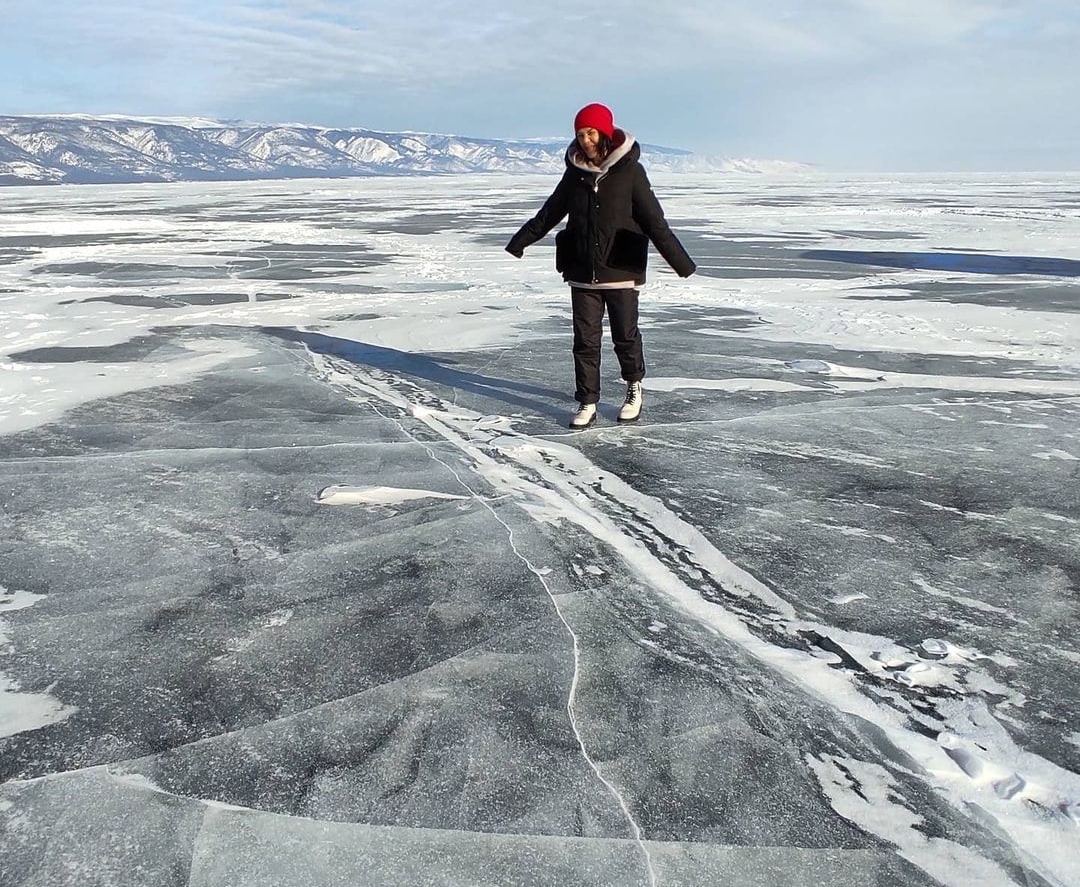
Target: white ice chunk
[808, 366]
[1009, 786]
[934, 648]
[848, 598]
[893, 658]
[922, 674]
[824, 368]
[343, 494]
[491, 423]
[963, 758]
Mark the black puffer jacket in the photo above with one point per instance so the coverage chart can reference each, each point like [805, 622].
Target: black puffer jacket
[613, 216]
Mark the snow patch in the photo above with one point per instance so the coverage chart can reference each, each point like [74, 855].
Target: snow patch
[21, 712]
[343, 494]
[864, 793]
[1056, 454]
[849, 598]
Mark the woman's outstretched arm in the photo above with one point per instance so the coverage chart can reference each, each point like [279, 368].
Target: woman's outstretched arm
[551, 213]
[650, 216]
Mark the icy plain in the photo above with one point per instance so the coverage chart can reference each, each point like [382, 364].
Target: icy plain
[304, 581]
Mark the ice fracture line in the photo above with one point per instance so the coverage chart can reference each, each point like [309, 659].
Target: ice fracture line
[453, 437]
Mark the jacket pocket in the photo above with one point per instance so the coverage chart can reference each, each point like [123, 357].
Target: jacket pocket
[629, 251]
[565, 254]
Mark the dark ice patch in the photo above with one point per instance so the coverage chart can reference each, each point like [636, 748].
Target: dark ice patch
[130, 301]
[963, 262]
[41, 241]
[136, 301]
[11, 256]
[182, 300]
[273, 261]
[865, 234]
[738, 260]
[135, 349]
[719, 318]
[125, 272]
[121, 273]
[1027, 297]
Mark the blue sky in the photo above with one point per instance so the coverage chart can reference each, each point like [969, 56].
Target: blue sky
[847, 84]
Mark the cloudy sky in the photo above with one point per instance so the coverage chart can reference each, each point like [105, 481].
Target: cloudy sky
[847, 84]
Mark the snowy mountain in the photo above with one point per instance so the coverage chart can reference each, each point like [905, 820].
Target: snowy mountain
[78, 149]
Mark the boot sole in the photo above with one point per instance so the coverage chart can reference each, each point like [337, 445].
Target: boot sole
[628, 421]
[588, 424]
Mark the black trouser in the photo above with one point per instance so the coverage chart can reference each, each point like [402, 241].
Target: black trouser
[622, 310]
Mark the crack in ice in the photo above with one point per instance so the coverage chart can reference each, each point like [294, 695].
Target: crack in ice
[424, 416]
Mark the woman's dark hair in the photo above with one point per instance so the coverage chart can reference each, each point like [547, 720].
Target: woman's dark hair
[603, 146]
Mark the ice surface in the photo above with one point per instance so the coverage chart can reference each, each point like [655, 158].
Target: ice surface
[90, 828]
[814, 620]
[107, 829]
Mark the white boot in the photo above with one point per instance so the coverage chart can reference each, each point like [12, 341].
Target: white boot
[631, 408]
[584, 417]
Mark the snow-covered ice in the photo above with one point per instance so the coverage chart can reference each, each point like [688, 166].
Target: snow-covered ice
[813, 621]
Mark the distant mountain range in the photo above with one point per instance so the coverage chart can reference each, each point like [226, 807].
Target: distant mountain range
[77, 149]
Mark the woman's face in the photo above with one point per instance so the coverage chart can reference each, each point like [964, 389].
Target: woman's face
[589, 140]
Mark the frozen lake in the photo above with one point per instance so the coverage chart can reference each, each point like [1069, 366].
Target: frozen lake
[304, 581]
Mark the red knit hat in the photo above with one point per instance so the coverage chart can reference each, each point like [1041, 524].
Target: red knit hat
[597, 117]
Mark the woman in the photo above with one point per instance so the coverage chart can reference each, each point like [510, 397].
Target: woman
[602, 252]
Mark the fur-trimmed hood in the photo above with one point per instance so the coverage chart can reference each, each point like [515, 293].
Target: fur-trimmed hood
[622, 145]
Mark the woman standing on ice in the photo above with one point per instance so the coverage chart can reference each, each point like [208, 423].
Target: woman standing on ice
[603, 250]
